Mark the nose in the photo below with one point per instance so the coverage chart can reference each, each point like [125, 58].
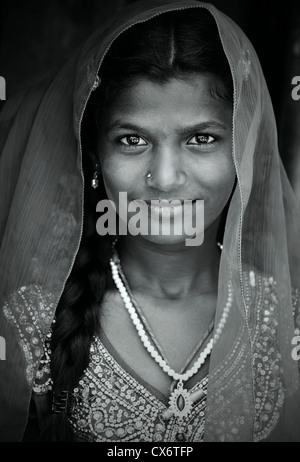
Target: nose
[167, 170]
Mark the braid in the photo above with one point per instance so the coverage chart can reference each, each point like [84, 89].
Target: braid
[78, 311]
[77, 318]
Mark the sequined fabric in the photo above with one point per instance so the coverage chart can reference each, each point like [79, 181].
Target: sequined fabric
[268, 375]
[112, 405]
[268, 385]
[29, 310]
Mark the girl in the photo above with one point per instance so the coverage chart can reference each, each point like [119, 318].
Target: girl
[140, 337]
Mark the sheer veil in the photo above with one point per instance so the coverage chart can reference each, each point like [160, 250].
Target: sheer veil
[253, 391]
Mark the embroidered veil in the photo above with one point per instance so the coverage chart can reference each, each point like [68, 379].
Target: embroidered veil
[253, 389]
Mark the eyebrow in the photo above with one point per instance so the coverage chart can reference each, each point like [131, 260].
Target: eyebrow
[118, 124]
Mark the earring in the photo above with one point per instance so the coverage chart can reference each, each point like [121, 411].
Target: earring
[95, 182]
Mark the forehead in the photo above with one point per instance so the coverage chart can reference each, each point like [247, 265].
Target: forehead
[190, 97]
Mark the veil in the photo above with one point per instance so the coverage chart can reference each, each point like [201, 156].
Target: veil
[253, 391]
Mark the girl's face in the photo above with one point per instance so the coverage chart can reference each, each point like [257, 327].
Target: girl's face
[180, 134]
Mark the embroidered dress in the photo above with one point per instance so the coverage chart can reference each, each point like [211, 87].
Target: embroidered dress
[111, 403]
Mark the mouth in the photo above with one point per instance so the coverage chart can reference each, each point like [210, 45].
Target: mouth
[168, 202]
[159, 208]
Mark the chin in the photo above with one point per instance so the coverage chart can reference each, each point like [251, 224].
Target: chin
[167, 240]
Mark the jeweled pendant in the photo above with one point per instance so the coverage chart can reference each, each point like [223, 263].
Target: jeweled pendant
[94, 183]
[180, 401]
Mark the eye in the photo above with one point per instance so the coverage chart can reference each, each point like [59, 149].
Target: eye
[202, 139]
[132, 141]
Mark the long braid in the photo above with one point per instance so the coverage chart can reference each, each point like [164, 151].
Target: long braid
[77, 318]
[78, 311]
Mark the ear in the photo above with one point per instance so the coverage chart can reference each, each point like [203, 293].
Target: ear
[99, 163]
[95, 163]
[98, 167]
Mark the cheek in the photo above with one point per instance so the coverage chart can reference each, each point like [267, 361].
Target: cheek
[220, 180]
[225, 180]
[117, 177]
[113, 182]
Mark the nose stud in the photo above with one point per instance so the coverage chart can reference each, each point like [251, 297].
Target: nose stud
[149, 175]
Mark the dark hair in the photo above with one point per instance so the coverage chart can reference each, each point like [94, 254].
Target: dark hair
[171, 45]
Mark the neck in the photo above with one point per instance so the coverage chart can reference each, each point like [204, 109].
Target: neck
[171, 271]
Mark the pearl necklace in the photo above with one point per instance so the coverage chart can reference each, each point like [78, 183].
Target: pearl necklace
[181, 400]
[148, 328]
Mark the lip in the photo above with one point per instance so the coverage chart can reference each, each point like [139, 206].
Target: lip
[167, 202]
[164, 208]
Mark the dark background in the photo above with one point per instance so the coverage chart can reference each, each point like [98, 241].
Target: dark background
[35, 35]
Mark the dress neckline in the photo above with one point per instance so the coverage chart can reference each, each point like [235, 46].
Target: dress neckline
[121, 363]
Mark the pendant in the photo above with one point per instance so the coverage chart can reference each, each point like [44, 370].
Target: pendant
[180, 401]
